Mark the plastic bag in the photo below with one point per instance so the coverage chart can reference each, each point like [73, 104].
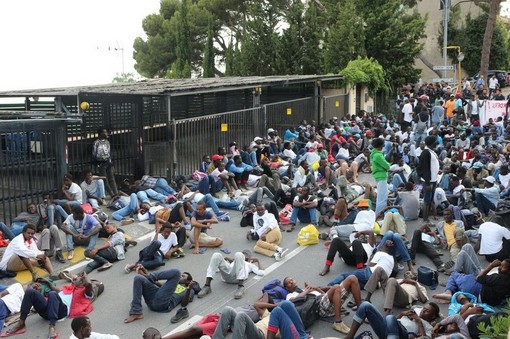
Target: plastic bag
[308, 235]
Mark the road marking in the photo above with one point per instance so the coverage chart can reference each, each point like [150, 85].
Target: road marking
[187, 324]
[280, 263]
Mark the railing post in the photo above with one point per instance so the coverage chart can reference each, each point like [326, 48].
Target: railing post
[316, 96]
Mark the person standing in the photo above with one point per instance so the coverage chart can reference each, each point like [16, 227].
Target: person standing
[380, 169]
[101, 153]
[428, 170]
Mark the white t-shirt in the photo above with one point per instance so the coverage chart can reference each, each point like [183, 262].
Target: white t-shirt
[14, 298]
[493, 82]
[492, 237]
[383, 260]
[364, 221]
[439, 196]
[263, 224]
[344, 152]
[216, 174]
[168, 243]
[504, 179]
[196, 198]
[408, 112]
[75, 190]
[18, 246]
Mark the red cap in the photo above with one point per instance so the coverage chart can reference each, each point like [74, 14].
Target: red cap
[368, 133]
[216, 157]
[459, 95]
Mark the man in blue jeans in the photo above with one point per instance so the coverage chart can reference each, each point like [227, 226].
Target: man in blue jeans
[81, 229]
[304, 208]
[159, 297]
[415, 322]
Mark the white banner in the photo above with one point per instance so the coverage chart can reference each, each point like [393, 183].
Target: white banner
[492, 109]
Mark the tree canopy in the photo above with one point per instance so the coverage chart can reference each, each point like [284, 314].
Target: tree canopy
[267, 37]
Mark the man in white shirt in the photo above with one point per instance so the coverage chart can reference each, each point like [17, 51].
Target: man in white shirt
[233, 271]
[267, 233]
[364, 221]
[93, 189]
[493, 241]
[72, 194]
[83, 330]
[22, 253]
[10, 302]
[407, 111]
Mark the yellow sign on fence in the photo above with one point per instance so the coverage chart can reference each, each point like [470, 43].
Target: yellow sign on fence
[337, 103]
[224, 127]
[289, 111]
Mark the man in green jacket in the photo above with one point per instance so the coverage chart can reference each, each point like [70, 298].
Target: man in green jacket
[380, 169]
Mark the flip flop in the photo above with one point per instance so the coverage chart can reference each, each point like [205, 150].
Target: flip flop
[202, 250]
[225, 250]
[10, 334]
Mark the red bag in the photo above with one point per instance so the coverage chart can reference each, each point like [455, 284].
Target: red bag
[285, 214]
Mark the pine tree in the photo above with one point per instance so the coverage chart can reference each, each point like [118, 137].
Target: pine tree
[208, 62]
[182, 66]
[312, 39]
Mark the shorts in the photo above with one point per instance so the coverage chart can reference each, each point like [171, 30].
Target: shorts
[326, 308]
[428, 195]
[15, 264]
[208, 324]
[204, 238]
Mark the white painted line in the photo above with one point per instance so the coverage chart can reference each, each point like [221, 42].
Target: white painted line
[187, 324]
[280, 263]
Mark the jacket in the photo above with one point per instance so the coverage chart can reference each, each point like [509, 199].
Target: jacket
[379, 164]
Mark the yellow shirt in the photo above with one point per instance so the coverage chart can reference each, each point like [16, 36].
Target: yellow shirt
[449, 229]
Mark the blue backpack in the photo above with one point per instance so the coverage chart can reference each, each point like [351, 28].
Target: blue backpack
[275, 290]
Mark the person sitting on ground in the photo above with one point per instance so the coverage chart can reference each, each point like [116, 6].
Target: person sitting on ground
[23, 252]
[10, 302]
[333, 296]
[233, 271]
[493, 289]
[58, 303]
[109, 251]
[220, 178]
[93, 189]
[81, 229]
[416, 321]
[393, 221]
[201, 221]
[31, 216]
[241, 172]
[303, 176]
[71, 193]
[266, 232]
[82, 329]
[486, 198]
[159, 297]
[304, 208]
[409, 200]
[493, 240]
[446, 231]
[362, 246]
[403, 292]
[364, 221]
[164, 245]
[423, 242]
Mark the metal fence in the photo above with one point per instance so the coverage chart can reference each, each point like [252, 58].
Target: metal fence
[282, 115]
[32, 161]
[334, 106]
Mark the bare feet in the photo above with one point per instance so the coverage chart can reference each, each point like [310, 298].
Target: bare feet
[133, 317]
[324, 271]
[443, 297]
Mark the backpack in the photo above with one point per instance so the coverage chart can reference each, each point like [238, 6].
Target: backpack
[421, 126]
[308, 308]
[275, 290]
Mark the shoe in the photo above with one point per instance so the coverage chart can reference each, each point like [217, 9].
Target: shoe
[205, 291]
[224, 217]
[323, 236]
[449, 264]
[400, 267]
[105, 267]
[129, 267]
[283, 252]
[131, 243]
[182, 313]
[239, 292]
[70, 255]
[441, 268]
[180, 253]
[341, 327]
[277, 256]
[60, 256]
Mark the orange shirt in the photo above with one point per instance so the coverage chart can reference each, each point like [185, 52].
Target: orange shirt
[449, 106]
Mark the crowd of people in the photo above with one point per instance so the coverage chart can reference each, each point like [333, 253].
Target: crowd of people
[434, 161]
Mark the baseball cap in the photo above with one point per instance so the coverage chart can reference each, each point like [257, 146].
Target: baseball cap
[258, 139]
[490, 179]
[357, 135]
[335, 118]
[452, 95]
[368, 133]
[458, 234]
[478, 164]
[247, 253]
[320, 146]
[216, 157]
[270, 130]
[363, 203]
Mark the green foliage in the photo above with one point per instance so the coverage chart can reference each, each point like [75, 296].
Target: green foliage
[498, 327]
[292, 40]
[208, 64]
[123, 78]
[312, 36]
[182, 66]
[368, 72]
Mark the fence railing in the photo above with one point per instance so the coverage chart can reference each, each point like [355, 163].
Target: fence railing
[334, 106]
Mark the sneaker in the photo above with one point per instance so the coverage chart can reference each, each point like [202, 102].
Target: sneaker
[277, 256]
[283, 252]
[60, 256]
[239, 292]
[400, 267]
[182, 313]
[187, 226]
[323, 236]
[105, 267]
[221, 213]
[180, 253]
[224, 217]
[205, 291]
[341, 327]
[70, 255]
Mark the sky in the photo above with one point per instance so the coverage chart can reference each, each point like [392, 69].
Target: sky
[60, 43]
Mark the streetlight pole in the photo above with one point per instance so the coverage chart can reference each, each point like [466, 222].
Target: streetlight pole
[460, 58]
[446, 14]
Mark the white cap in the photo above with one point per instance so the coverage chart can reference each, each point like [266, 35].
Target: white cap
[270, 130]
[490, 179]
[258, 139]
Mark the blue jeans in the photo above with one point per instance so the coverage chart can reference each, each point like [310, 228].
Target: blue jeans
[208, 185]
[8, 234]
[399, 249]
[445, 182]
[305, 215]
[163, 187]
[150, 257]
[382, 196]
[395, 329]
[483, 204]
[286, 318]
[376, 319]
[159, 299]
[150, 193]
[362, 274]
[210, 202]
[127, 210]
[90, 243]
[4, 312]
[51, 309]
[100, 193]
[397, 180]
[58, 211]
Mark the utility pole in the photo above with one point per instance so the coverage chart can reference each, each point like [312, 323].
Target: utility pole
[446, 14]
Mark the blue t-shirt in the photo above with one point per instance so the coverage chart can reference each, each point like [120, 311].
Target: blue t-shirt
[205, 216]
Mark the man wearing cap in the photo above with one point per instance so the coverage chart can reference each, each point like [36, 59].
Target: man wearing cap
[364, 221]
[233, 271]
[477, 172]
[275, 142]
[216, 160]
[487, 198]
